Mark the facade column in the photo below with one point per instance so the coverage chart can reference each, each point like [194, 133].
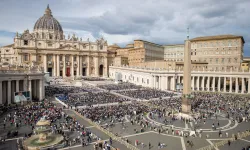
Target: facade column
[218, 85]
[236, 85]
[17, 85]
[57, 65]
[72, 67]
[198, 83]
[214, 84]
[1, 92]
[9, 91]
[64, 65]
[45, 63]
[78, 66]
[225, 84]
[88, 73]
[96, 63]
[30, 89]
[248, 86]
[54, 65]
[243, 87]
[106, 65]
[40, 89]
[202, 83]
[230, 85]
[208, 83]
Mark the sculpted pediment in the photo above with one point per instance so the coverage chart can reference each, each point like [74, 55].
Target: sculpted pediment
[67, 47]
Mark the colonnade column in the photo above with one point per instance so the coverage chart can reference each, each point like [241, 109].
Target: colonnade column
[72, 66]
[214, 84]
[9, 91]
[236, 85]
[218, 85]
[243, 88]
[58, 65]
[159, 82]
[208, 83]
[230, 85]
[198, 83]
[193, 82]
[166, 82]
[17, 85]
[64, 63]
[54, 65]
[225, 84]
[248, 87]
[1, 92]
[202, 83]
[174, 83]
[45, 63]
[78, 66]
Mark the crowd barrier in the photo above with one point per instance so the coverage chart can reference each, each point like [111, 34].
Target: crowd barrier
[223, 142]
[129, 146]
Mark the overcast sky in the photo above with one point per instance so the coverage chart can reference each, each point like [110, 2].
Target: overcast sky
[122, 21]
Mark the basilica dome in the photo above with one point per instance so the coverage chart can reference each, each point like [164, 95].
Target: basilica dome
[48, 22]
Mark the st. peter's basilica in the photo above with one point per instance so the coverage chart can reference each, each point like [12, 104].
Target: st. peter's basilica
[48, 48]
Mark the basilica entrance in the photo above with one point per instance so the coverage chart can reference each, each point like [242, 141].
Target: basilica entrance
[50, 71]
[83, 71]
[68, 72]
[101, 70]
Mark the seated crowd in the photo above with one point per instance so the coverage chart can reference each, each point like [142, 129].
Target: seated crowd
[91, 98]
[146, 93]
[122, 86]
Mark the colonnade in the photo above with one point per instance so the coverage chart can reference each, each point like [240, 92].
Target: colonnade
[231, 84]
[75, 65]
[33, 88]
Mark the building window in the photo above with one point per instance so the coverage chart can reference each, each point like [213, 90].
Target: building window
[101, 47]
[60, 58]
[229, 60]
[148, 81]
[236, 60]
[26, 57]
[49, 45]
[7, 50]
[216, 60]
[39, 58]
[75, 46]
[74, 58]
[222, 60]
[25, 42]
[61, 45]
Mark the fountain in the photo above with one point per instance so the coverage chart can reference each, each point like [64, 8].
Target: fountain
[43, 137]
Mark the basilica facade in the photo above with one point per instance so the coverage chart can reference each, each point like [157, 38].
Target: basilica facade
[48, 48]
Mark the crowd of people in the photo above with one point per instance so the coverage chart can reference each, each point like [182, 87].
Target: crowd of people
[121, 86]
[91, 98]
[146, 93]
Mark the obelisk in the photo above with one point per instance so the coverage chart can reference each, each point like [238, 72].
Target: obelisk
[186, 106]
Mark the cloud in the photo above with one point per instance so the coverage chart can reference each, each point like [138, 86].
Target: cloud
[159, 21]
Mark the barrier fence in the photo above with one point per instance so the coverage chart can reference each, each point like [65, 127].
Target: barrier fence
[129, 146]
[223, 142]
